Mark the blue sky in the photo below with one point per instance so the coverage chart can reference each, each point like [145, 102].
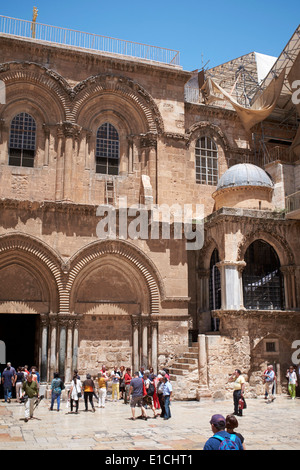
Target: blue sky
[214, 31]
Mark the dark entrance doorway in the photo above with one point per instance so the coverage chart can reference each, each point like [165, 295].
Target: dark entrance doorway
[20, 335]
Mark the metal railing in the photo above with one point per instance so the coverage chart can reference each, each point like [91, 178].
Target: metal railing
[95, 42]
[292, 202]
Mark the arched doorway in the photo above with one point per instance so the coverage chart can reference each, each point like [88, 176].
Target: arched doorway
[262, 278]
[114, 289]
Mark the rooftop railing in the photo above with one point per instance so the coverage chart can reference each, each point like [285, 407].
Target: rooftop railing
[292, 202]
[93, 42]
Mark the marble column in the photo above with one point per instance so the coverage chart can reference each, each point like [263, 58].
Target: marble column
[135, 343]
[53, 339]
[71, 133]
[154, 339]
[62, 347]
[44, 348]
[75, 344]
[145, 332]
[231, 284]
[202, 390]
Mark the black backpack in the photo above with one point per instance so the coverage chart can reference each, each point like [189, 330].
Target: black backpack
[150, 390]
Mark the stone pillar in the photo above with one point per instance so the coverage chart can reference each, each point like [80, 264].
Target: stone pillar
[202, 390]
[69, 358]
[145, 326]
[62, 347]
[203, 310]
[154, 338]
[71, 131]
[231, 284]
[135, 343]
[53, 339]
[44, 348]
[289, 273]
[75, 345]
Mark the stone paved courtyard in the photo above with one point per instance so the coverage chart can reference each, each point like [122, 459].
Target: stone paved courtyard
[264, 426]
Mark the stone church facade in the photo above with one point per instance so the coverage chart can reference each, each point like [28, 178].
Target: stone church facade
[81, 130]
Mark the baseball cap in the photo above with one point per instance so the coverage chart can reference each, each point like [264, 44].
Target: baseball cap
[217, 420]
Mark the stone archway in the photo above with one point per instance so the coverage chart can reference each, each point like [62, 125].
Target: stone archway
[29, 292]
[115, 290]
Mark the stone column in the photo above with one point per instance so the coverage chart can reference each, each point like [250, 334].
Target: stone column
[62, 346]
[53, 352]
[71, 131]
[145, 326]
[154, 337]
[202, 390]
[289, 273]
[44, 348]
[135, 343]
[231, 284]
[69, 358]
[75, 344]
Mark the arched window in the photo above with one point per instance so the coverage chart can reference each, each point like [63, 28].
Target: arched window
[206, 161]
[262, 278]
[214, 287]
[22, 140]
[107, 150]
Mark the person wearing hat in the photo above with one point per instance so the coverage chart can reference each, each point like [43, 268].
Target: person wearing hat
[218, 423]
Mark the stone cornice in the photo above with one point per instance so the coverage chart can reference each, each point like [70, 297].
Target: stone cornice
[257, 314]
[120, 63]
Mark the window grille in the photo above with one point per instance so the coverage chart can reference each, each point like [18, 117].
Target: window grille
[206, 161]
[262, 278]
[22, 140]
[107, 150]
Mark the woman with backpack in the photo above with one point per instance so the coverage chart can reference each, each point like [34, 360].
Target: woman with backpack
[148, 398]
[56, 387]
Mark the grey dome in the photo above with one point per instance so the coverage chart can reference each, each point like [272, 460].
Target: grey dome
[244, 174]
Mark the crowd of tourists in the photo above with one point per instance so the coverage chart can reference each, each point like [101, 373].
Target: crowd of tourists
[143, 389]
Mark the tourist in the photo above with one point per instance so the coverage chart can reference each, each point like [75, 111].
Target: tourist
[56, 389]
[231, 424]
[75, 392]
[150, 389]
[292, 382]
[269, 379]
[115, 387]
[159, 390]
[122, 382]
[19, 383]
[35, 372]
[136, 392]
[88, 389]
[238, 390]
[127, 380]
[8, 381]
[221, 440]
[102, 380]
[167, 394]
[30, 393]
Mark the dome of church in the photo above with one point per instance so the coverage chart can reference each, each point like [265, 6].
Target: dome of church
[244, 174]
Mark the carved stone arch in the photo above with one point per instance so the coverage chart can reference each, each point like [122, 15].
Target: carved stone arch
[36, 256]
[49, 86]
[123, 87]
[206, 128]
[279, 244]
[125, 250]
[206, 252]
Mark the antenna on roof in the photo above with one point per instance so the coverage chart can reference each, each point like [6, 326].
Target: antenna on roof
[34, 17]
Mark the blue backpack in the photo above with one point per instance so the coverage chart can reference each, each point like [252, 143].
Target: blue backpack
[227, 443]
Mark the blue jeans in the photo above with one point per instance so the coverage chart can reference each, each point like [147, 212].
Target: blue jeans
[167, 414]
[55, 396]
[7, 392]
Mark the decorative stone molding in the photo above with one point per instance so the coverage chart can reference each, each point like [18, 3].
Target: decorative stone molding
[126, 251]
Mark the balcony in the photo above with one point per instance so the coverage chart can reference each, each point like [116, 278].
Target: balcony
[77, 39]
[292, 204]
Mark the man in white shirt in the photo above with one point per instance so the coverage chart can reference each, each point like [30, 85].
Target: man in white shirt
[269, 376]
